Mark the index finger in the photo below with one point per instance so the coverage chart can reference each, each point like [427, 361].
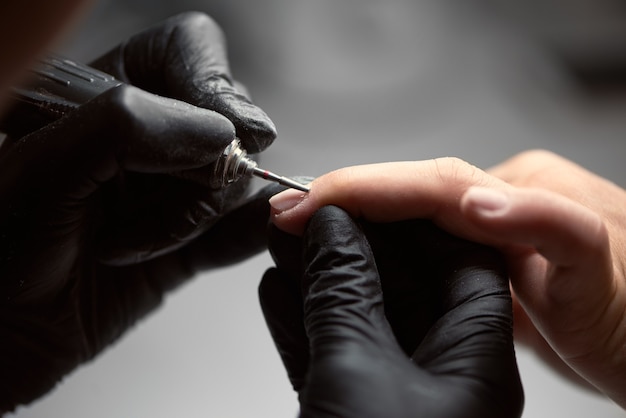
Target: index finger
[389, 192]
[185, 58]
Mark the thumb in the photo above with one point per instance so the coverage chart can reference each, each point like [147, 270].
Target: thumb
[570, 238]
[343, 303]
[356, 366]
[566, 283]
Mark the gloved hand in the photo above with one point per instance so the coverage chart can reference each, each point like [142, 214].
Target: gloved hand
[93, 228]
[185, 58]
[434, 341]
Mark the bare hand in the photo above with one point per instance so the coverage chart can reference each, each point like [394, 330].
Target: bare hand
[562, 228]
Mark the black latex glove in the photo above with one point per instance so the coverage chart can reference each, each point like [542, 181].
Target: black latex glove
[93, 229]
[185, 58]
[442, 348]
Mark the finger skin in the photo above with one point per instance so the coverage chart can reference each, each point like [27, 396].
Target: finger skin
[389, 192]
[579, 305]
[558, 249]
[567, 234]
[564, 232]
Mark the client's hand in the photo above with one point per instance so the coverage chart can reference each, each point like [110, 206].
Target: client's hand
[562, 228]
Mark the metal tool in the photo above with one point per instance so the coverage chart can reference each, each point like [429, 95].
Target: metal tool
[60, 85]
[234, 164]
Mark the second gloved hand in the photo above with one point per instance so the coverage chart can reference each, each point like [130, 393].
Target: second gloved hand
[417, 325]
[94, 229]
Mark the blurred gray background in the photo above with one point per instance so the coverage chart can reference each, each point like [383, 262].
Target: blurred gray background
[352, 82]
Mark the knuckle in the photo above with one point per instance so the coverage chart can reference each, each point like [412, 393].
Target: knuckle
[536, 157]
[123, 108]
[343, 185]
[454, 170]
[121, 101]
[344, 179]
[536, 168]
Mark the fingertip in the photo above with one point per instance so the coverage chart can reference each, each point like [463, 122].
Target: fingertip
[288, 211]
[254, 127]
[258, 131]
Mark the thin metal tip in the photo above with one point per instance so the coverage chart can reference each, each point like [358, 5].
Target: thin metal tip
[294, 184]
[285, 181]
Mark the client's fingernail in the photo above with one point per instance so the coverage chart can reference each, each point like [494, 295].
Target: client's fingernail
[487, 202]
[286, 200]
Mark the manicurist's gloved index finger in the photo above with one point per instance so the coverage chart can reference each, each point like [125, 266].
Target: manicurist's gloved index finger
[185, 58]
